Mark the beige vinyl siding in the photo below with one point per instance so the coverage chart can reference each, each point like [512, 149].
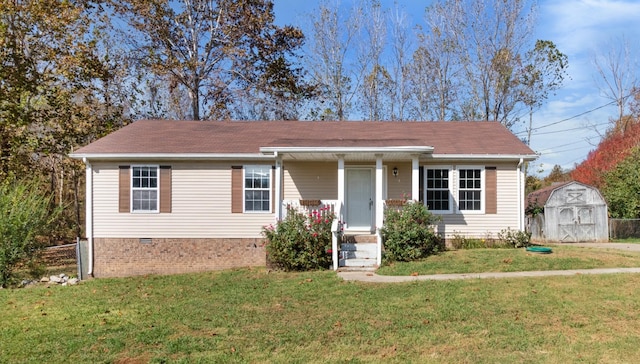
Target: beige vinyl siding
[201, 206]
[472, 224]
[399, 187]
[310, 181]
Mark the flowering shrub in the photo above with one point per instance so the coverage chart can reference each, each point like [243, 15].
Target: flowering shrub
[408, 233]
[299, 241]
[515, 238]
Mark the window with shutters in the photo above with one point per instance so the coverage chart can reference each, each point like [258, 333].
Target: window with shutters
[144, 189]
[470, 189]
[257, 188]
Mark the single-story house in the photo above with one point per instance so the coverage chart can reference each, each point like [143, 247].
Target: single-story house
[181, 196]
[571, 212]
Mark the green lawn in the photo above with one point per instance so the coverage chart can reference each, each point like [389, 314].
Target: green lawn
[515, 260]
[256, 316]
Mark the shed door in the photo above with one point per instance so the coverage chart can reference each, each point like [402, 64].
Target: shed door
[576, 224]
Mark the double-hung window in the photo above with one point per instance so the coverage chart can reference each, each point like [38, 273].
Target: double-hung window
[470, 188]
[257, 188]
[437, 193]
[144, 188]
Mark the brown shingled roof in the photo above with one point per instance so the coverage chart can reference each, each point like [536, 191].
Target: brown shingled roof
[177, 137]
[539, 197]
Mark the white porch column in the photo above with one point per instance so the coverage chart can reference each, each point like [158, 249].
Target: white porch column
[278, 188]
[339, 214]
[341, 186]
[379, 206]
[415, 178]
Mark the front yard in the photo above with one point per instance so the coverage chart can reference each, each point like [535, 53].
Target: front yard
[564, 257]
[260, 316]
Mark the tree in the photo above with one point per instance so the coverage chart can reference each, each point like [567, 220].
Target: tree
[543, 72]
[615, 147]
[24, 216]
[557, 174]
[56, 92]
[215, 51]
[621, 188]
[400, 71]
[617, 79]
[333, 35]
[376, 87]
[480, 59]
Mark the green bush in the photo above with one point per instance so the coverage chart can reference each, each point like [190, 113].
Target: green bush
[300, 242]
[408, 233]
[25, 215]
[515, 238]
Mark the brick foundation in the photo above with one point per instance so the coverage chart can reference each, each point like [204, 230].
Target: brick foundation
[121, 257]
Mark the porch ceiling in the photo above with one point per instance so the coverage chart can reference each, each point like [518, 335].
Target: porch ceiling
[349, 154]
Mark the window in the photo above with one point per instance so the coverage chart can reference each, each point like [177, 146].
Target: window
[438, 197]
[144, 188]
[470, 189]
[257, 188]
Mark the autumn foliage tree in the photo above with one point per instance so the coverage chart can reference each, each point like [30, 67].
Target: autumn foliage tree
[54, 95]
[614, 148]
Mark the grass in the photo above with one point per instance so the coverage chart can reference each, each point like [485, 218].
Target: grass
[257, 316]
[627, 241]
[515, 260]
[254, 316]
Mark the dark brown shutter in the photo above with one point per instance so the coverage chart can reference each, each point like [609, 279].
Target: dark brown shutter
[491, 186]
[236, 189]
[165, 189]
[124, 194]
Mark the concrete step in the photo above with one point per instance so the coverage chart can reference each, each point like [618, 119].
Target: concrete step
[357, 269]
[357, 263]
[368, 247]
[360, 238]
[358, 255]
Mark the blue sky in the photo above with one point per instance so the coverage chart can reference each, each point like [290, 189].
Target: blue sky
[580, 29]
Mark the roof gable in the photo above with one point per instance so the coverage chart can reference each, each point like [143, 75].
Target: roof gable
[246, 137]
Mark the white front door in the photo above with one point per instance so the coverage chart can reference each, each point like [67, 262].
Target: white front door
[359, 197]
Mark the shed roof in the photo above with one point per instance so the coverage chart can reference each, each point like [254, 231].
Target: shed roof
[229, 137]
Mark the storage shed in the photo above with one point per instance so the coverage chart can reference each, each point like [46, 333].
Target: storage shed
[572, 212]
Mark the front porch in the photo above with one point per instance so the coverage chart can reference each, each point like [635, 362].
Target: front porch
[353, 182]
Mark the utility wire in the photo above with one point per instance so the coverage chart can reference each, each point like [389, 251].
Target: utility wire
[572, 117]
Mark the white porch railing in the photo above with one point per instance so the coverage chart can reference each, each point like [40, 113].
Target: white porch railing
[308, 207]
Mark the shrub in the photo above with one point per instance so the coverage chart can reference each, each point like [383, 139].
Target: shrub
[24, 216]
[488, 242]
[300, 242]
[408, 233]
[515, 238]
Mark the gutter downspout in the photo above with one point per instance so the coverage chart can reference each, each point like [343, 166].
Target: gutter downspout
[520, 196]
[89, 213]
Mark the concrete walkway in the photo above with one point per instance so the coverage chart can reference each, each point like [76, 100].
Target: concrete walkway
[372, 277]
